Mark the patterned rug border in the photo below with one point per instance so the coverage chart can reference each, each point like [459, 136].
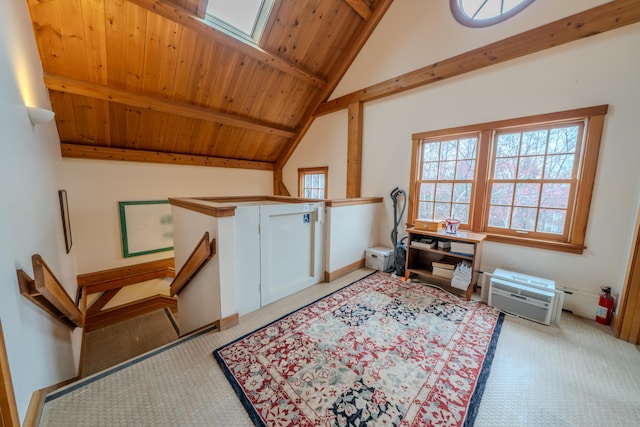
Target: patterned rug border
[474, 401]
[476, 397]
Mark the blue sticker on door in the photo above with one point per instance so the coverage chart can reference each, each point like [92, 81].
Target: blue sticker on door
[306, 218]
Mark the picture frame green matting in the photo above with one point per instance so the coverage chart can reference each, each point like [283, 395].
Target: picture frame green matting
[146, 227]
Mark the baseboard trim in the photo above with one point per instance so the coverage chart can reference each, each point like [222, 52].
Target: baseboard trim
[213, 326]
[32, 417]
[615, 324]
[331, 276]
[228, 322]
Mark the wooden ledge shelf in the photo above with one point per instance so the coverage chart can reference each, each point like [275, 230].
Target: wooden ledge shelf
[223, 206]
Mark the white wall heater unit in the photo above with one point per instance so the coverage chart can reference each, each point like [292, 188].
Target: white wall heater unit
[526, 296]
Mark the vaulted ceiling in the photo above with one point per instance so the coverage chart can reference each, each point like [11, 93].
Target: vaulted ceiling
[150, 80]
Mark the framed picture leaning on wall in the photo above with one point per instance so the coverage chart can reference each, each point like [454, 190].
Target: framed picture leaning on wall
[66, 223]
[146, 227]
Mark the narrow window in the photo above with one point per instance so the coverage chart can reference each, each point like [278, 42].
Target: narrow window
[446, 178]
[312, 182]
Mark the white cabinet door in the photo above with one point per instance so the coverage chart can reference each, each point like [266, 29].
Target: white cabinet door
[291, 248]
[247, 245]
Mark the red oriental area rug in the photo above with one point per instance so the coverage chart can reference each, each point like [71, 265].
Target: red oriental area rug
[377, 352]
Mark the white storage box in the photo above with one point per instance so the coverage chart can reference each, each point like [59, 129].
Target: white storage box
[379, 257]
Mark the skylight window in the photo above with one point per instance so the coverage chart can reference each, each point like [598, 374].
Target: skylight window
[243, 18]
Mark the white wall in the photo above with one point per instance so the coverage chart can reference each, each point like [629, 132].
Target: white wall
[350, 231]
[417, 33]
[201, 303]
[323, 146]
[598, 70]
[41, 351]
[247, 245]
[39, 348]
[95, 187]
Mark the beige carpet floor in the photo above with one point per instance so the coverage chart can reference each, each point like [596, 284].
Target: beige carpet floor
[572, 374]
[114, 344]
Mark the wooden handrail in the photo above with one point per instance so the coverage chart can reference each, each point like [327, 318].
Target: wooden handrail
[116, 278]
[51, 288]
[47, 292]
[199, 257]
[129, 311]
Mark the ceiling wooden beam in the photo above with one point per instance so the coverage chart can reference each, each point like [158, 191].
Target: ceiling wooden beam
[105, 93]
[279, 188]
[80, 151]
[361, 7]
[335, 76]
[202, 8]
[606, 17]
[187, 19]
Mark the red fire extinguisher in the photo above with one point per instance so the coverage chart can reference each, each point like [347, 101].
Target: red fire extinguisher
[605, 306]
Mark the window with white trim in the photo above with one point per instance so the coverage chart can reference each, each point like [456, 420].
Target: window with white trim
[524, 181]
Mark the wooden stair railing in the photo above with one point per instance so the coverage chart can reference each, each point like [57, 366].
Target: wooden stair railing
[200, 256]
[46, 291]
[116, 278]
[102, 318]
[100, 303]
[109, 283]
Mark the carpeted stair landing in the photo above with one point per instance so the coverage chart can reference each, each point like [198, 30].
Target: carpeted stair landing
[114, 344]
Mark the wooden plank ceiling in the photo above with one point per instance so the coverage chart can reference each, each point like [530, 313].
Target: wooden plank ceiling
[150, 80]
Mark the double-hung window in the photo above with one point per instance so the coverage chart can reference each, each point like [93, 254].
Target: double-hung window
[525, 181]
[533, 180]
[447, 172]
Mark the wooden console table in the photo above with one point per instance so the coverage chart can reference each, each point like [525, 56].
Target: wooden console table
[420, 259]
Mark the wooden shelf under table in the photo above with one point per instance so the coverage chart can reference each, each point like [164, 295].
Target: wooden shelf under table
[419, 260]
